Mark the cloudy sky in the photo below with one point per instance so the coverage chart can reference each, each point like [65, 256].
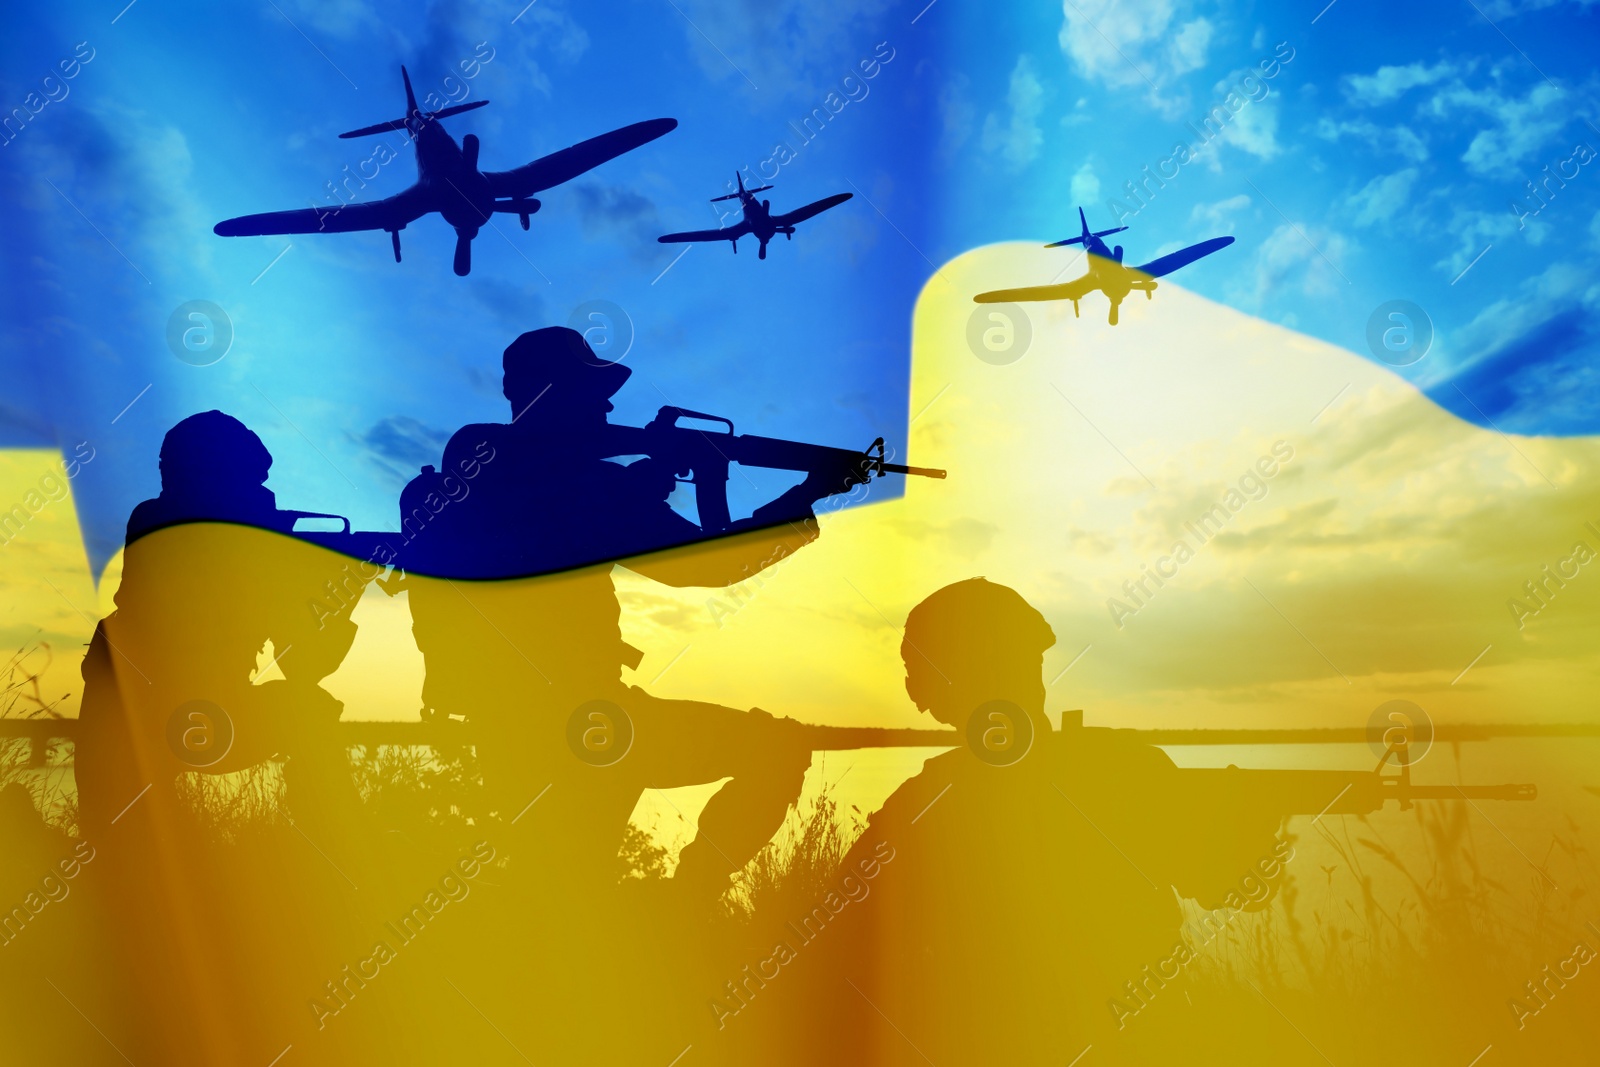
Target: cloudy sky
[1368, 167]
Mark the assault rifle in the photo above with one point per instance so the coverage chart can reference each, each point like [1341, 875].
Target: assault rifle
[699, 456]
[1306, 792]
[1318, 792]
[706, 454]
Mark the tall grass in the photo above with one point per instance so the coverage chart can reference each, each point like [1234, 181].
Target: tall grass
[1418, 967]
[799, 865]
[46, 780]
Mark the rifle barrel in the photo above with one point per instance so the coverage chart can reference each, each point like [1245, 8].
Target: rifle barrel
[1472, 792]
[683, 443]
[923, 472]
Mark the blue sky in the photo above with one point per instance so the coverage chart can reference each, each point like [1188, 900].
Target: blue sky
[1374, 165]
[1377, 164]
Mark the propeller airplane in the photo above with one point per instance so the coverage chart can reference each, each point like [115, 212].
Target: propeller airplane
[758, 219]
[1106, 272]
[450, 183]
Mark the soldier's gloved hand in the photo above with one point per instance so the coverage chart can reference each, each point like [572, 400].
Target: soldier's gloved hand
[788, 734]
[313, 655]
[651, 479]
[836, 478]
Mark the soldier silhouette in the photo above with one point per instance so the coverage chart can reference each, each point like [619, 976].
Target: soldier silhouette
[1002, 899]
[535, 662]
[209, 578]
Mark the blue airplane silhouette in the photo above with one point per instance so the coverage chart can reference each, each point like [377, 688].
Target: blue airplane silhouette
[449, 182]
[1106, 272]
[758, 219]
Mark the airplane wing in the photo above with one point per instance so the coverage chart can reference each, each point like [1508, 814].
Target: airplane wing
[731, 233]
[1073, 290]
[549, 171]
[800, 214]
[390, 213]
[1156, 268]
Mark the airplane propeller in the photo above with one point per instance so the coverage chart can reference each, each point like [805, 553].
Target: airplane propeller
[413, 112]
[738, 177]
[1082, 237]
[423, 116]
[735, 196]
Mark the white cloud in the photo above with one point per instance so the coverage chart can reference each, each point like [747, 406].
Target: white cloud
[341, 18]
[1388, 84]
[1498, 150]
[1079, 114]
[1254, 129]
[1501, 9]
[1518, 126]
[1188, 47]
[1312, 254]
[1473, 231]
[794, 49]
[1220, 215]
[958, 116]
[1130, 44]
[1017, 137]
[1402, 140]
[1381, 198]
[1085, 185]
